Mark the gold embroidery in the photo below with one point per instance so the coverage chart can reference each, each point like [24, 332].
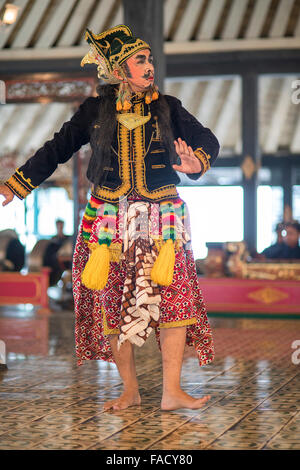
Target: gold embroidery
[17, 188]
[117, 39]
[174, 324]
[96, 48]
[158, 166]
[140, 177]
[107, 330]
[206, 154]
[204, 159]
[28, 180]
[133, 176]
[157, 151]
[123, 54]
[138, 96]
[109, 194]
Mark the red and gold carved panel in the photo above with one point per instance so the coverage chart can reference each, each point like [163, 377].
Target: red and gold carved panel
[251, 296]
[49, 89]
[17, 288]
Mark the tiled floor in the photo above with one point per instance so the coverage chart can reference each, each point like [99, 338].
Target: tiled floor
[47, 402]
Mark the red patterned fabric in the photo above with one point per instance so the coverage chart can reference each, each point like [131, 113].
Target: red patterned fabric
[180, 301]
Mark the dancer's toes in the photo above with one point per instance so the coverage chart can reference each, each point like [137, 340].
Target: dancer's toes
[202, 401]
[179, 399]
[126, 400]
[109, 404]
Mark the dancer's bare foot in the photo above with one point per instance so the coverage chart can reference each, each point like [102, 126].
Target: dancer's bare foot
[179, 399]
[128, 398]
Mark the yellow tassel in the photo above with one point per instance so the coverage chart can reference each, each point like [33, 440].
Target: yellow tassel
[154, 96]
[119, 106]
[95, 273]
[163, 268]
[126, 105]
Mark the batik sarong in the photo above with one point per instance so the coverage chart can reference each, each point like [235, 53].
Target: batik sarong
[131, 305]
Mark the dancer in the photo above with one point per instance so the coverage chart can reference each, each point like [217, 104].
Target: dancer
[133, 267]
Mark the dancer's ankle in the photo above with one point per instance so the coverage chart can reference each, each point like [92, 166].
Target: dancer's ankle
[170, 389]
[131, 387]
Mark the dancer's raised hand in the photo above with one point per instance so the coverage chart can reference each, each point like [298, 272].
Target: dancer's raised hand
[189, 162]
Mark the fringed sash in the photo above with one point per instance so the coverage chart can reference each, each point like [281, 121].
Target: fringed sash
[141, 246]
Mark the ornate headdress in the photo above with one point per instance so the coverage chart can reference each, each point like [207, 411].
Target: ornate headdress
[109, 50]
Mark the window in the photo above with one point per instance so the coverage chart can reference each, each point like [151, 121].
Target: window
[269, 213]
[216, 176]
[296, 202]
[13, 216]
[216, 215]
[54, 203]
[35, 217]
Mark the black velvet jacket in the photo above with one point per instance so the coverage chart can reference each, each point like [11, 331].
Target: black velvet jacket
[139, 160]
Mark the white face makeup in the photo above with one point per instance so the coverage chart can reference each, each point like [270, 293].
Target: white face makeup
[139, 70]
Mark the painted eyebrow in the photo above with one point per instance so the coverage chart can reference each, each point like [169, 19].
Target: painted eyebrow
[142, 56]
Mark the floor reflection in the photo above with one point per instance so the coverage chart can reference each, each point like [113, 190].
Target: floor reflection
[48, 402]
[24, 332]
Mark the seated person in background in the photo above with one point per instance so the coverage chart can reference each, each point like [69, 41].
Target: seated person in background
[291, 240]
[50, 258]
[273, 250]
[60, 237]
[12, 252]
[290, 248]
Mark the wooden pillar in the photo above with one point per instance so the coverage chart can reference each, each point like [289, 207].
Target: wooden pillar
[287, 184]
[250, 156]
[145, 19]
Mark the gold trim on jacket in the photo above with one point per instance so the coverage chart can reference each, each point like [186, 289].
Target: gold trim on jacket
[19, 185]
[204, 159]
[132, 171]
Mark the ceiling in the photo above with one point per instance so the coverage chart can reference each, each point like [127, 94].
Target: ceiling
[61, 23]
[216, 102]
